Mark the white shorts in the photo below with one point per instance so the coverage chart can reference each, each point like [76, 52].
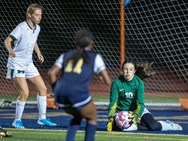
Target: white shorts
[30, 72]
[145, 112]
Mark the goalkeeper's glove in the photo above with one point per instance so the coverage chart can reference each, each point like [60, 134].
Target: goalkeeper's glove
[110, 124]
[135, 117]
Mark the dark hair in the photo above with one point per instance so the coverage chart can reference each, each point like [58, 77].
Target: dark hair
[83, 38]
[143, 69]
[128, 61]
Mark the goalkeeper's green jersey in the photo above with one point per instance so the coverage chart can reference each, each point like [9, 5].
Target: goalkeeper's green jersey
[127, 95]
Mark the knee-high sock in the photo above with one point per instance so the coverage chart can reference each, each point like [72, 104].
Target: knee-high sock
[41, 101]
[90, 132]
[73, 127]
[19, 109]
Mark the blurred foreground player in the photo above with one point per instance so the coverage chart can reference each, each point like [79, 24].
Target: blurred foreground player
[78, 66]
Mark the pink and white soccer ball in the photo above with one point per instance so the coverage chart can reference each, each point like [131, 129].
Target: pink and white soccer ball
[123, 120]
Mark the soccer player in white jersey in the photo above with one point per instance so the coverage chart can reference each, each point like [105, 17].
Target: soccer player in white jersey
[20, 64]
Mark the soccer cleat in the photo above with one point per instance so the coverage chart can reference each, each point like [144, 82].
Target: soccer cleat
[174, 125]
[4, 133]
[46, 122]
[18, 124]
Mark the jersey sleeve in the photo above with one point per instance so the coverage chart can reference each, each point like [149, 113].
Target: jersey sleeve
[16, 33]
[59, 61]
[99, 64]
[140, 99]
[113, 99]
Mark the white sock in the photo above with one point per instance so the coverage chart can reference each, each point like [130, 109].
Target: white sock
[165, 126]
[41, 101]
[19, 109]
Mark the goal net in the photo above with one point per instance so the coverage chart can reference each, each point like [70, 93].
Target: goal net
[155, 31]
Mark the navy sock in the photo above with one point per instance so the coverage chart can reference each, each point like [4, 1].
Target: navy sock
[71, 131]
[90, 132]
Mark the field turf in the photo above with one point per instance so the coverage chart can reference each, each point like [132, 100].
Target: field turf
[59, 135]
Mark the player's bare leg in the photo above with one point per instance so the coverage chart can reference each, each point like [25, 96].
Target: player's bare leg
[90, 113]
[23, 90]
[41, 100]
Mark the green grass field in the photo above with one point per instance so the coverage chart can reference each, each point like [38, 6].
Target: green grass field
[104, 98]
[59, 135]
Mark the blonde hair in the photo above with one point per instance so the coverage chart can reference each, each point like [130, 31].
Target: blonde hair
[32, 8]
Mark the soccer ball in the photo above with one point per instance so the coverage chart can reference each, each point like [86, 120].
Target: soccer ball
[123, 120]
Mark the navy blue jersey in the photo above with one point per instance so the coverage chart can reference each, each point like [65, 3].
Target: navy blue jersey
[73, 86]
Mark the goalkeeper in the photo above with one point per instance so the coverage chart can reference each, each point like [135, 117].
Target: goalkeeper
[127, 94]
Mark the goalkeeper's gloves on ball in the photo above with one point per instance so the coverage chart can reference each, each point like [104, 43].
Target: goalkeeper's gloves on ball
[110, 124]
[135, 117]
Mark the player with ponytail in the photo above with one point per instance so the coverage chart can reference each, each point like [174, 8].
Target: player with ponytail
[127, 94]
[21, 44]
[72, 89]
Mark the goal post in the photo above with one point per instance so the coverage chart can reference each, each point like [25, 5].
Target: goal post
[147, 30]
[122, 32]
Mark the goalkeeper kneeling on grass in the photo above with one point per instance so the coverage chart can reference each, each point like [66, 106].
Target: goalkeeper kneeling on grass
[127, 111]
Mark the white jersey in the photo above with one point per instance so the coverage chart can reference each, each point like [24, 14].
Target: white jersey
[24, 40]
